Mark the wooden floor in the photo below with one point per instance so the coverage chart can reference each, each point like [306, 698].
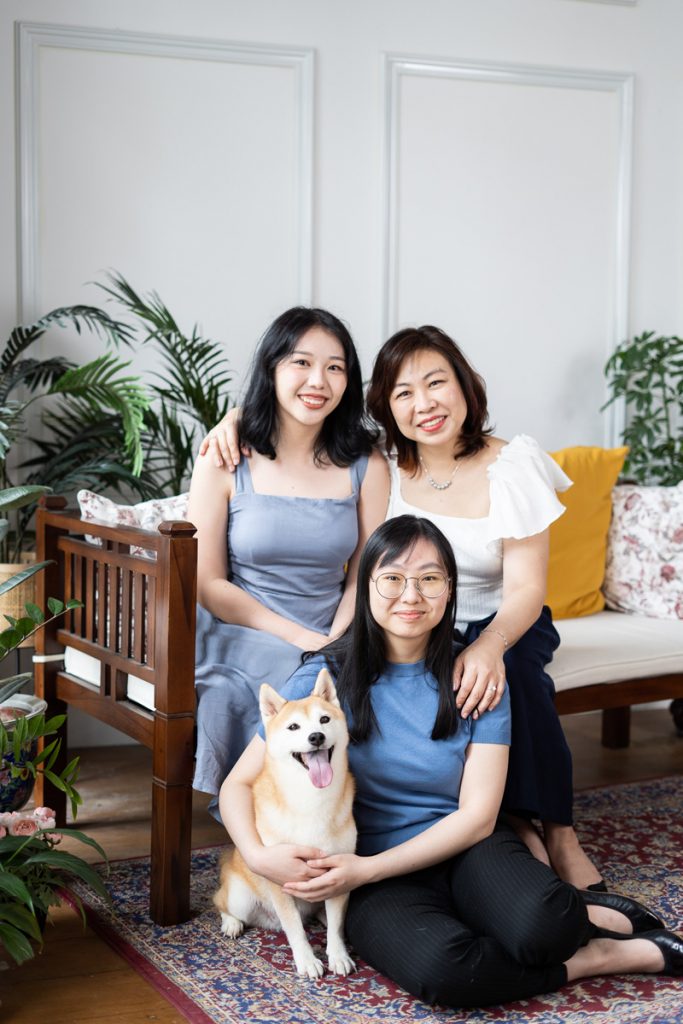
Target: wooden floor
[77, 979]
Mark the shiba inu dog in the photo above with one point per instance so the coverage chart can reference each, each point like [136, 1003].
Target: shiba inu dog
[303, 795]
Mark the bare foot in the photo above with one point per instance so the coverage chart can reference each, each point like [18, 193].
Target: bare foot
[567, 857]
[529, 835]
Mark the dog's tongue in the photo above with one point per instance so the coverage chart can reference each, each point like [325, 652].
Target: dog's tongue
[319, 768]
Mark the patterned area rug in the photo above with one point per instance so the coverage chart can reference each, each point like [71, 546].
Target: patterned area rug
[634, 832]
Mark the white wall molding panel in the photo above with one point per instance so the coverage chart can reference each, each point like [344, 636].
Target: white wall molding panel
[507, 200]
[202, 146]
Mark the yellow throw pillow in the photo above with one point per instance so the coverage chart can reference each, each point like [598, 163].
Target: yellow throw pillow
[578, 539]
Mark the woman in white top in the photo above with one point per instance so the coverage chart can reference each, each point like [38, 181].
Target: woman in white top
[494, 501]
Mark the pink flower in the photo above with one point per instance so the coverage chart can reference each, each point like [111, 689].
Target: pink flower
[44, 813]
[23, 827]
[54, 837]
[3, 831]
[678, 535]
[667, 572]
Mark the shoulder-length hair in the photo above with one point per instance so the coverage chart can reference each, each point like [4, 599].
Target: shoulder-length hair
[346, 433]
[358, 657]
[385, 372]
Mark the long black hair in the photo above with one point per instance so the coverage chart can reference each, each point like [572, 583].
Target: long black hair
[347, 433]
[358, 657]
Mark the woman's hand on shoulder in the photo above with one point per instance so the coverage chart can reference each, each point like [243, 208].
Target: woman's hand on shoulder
[340, 873]
[223, 443]
[479, 676]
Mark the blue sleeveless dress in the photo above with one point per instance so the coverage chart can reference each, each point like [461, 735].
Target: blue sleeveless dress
[290, 554]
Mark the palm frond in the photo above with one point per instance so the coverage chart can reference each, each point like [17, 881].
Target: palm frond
[100, 385]
[96, 320]
[151, 310]
[33, 374]
[12, 425]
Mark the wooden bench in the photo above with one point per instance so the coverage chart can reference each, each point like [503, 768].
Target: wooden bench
[137, 620]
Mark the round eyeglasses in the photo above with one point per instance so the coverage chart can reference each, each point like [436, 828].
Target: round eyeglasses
[392, 584]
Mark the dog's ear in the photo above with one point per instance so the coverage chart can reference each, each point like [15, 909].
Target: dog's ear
[270, 702]
[324, 688]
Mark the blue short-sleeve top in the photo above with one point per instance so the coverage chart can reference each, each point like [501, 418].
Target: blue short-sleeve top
[405, 780]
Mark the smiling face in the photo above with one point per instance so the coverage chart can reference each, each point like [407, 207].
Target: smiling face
[408, 620]
[311, 379]
[426, 401]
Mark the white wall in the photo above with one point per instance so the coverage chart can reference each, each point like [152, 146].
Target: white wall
[509, 169]
[465, 162]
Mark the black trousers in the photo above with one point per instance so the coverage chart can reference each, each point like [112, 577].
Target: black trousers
[491, 925]
[539, 781]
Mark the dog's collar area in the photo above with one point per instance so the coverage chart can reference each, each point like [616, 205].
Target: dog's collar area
[300, 756]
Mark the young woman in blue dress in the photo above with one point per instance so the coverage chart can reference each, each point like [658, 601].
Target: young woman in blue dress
[279, 540]
[445, 901]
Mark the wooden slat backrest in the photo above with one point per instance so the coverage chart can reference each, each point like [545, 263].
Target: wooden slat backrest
[139, 618]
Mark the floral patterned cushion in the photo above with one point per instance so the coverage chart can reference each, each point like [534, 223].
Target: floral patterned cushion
[644, 571]
[147, 514]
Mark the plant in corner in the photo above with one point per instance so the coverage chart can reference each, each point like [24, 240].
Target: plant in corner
[188, 394]
[34, 875]
[647, 372]
[103, 405]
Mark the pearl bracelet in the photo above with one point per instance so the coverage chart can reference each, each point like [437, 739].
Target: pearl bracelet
[490, 629]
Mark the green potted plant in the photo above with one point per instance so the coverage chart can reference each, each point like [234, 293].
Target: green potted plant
[647, 371]
[189, 393]
[105, 404]
[34, 875]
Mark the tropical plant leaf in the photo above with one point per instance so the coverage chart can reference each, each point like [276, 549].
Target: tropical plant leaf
[23, 574]
[12, 685]
[15, 942]
[101, 386]
[18, 497]
[33, 374]
[96, 320]
[13, 886]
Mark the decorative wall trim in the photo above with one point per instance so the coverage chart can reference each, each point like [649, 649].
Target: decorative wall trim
[30, 37]
[621, 3]
[397, 66]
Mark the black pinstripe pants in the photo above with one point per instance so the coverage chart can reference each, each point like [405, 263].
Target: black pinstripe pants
[491, 925]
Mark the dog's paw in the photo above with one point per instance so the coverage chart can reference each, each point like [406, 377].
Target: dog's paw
[341, 963]
[231, 926]
[309, 967]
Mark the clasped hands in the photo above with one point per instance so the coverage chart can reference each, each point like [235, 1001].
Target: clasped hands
[308, 873]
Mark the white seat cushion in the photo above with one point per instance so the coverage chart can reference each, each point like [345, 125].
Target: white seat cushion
[612, 647]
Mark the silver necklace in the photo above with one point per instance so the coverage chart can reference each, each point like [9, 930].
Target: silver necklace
[432, 482]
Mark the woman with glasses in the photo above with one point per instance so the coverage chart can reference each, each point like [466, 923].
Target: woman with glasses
[443, 900]
[276, 537]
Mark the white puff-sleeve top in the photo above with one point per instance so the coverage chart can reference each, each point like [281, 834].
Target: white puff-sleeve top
[522, 484]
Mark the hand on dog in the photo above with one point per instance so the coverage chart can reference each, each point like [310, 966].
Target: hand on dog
[477, 670]
[342, 873]
[286, 862]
